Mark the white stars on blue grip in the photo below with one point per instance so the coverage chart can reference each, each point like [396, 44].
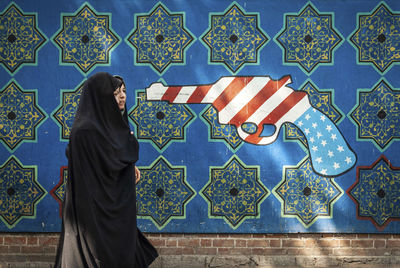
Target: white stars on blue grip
[329, 153]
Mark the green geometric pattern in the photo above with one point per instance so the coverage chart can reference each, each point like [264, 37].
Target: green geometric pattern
[65, 113]
[377, 192]
[160, 122]
[20, 192]
[377, 115]
[218, 132]
[234, 38]
[305, 195]
[163, 192]
[20, 39]
[160, 38]
[377, 38]
[234, 192]
[58, 192]
[20, 116]
[85, 39]
[309, 38]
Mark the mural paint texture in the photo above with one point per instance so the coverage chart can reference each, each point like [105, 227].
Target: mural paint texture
[252, 116]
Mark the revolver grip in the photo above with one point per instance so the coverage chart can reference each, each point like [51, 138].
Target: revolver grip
[330, 155]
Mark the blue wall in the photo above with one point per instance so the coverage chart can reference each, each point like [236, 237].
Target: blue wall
[198, 174]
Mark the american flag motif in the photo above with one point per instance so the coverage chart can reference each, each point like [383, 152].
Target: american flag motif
[260, 100]
[329, 153]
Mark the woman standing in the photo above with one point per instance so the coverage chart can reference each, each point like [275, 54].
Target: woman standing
[99, 210]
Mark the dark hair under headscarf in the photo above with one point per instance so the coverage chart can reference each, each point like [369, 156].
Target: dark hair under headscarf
[121, 81]
[99, 111]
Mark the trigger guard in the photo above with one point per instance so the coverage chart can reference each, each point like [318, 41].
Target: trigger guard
[259, 140]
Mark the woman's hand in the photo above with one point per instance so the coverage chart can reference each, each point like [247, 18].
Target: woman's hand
[137, 174]
[137, 171]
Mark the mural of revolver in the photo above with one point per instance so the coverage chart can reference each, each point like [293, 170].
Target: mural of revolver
[260, 100]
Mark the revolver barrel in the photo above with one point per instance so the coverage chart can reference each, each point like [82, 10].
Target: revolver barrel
[243, 99]
[261, 101]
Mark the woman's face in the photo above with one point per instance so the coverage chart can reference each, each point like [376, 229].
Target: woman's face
[120, 96]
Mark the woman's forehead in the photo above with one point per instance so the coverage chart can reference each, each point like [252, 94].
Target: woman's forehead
[122, 87]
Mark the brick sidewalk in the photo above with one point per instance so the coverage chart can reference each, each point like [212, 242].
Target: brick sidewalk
[37, 250]
[199, 265]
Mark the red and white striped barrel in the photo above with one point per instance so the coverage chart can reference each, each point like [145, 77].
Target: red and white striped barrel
[242, 99]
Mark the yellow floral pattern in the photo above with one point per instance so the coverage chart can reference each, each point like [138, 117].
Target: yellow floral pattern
[163, 192]
[20, 192]
[377, 115]
[234, 38]
[86, 39]
[20, 116]
[309, 38]
[20, 39]
[160, 122]
[377, 38]
[306, 195]
[65, 114]
[160, 38]
[234, 192]
[377, 192]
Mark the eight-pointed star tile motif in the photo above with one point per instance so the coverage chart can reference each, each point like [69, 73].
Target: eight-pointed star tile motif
[58, 192]
[20, 116]
[377, 38]
[306, 195]
[377, 192]
[309, 38]
[20, 192]
[377, 115]
[65, 113]
[160, 38]
[86, 39]
[234, 192]
[163, 192]
[20, 39]
[234, 38]
[160, 122]
[221, 132]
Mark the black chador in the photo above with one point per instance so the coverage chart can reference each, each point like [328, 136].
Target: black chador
[99, 209]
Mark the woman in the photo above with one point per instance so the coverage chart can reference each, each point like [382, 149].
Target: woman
[99, 210]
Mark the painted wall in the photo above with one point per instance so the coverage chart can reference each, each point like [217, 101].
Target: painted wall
[252, 116]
